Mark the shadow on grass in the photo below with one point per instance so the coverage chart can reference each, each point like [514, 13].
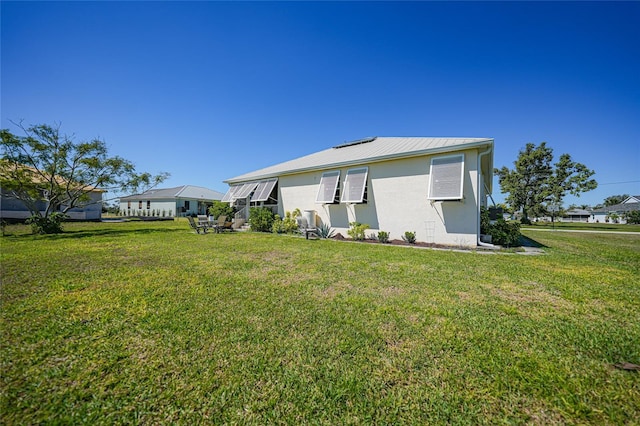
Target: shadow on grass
[89, 233]
[530, 242]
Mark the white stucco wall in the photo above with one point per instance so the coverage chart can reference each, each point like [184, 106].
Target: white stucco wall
[397, 202]
[169, 206]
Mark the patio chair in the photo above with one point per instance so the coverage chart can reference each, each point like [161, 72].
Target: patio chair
[197, 226]
[304, 228]
[203, 220]
[221, 224]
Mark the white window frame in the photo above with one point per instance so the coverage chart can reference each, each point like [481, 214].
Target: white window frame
[347, 182]
[323, 182]
[263, 190]
[433, 171]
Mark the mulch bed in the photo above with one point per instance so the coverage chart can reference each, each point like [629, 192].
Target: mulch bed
[341, 237]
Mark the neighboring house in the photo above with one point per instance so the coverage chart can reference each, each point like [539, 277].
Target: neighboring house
[12, 208]
[616, 213]
[577, 215]
[431, 186]
[169, 202]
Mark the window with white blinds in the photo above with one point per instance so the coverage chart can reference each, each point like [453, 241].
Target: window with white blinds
[446, 178]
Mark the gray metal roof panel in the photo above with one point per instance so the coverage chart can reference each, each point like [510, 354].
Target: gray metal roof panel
[185, 191]
[379, 149]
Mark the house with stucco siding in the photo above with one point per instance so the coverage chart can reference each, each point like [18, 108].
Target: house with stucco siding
[617, 212]
[179, 201]
[434, 187]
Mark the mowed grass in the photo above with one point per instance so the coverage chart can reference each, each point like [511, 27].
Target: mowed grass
[149, 323]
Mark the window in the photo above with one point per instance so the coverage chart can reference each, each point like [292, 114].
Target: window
[263, 190]
[148, 205]
[129, 205]
[140, 205]
[355, 186]
[446, 178]
[186, 205]
[328, 187]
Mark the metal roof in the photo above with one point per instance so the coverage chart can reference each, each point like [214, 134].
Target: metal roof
[364, 151]
[185, 191]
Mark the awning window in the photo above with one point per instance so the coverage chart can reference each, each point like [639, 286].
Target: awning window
[328, 187]
[245, 190]
[355, 185]
[263, 190]
[228, 197]
[446, 178]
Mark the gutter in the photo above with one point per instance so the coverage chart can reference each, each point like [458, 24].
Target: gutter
[479, 186]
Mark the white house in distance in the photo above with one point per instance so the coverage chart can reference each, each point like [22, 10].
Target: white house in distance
[431, 186]
[616, 213]
[169, 202]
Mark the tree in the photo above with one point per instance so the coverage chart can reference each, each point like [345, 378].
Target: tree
[51, 174]
[535, 182]
[615, 199]
[569, 177]
[525, 182]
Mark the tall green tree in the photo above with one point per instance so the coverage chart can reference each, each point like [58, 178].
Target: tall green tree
[50, 173]
[535, 182]
[525, 183]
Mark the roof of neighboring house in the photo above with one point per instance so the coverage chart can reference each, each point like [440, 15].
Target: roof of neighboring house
[365, 151]
[9, 169]
[632, 199]
[618, 208]
[578, 212]
[185, 191]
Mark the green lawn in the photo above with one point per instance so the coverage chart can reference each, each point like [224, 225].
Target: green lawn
[149, 323]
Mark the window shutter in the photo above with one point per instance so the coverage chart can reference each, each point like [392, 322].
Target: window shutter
[328, 186]
[354, 185]
[228, 197]
[446, 178]
[245, 191]
[263, 190]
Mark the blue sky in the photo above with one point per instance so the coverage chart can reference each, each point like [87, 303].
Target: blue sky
[210, 90]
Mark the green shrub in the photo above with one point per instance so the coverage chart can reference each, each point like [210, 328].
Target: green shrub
[502, 233]
[409, 237]
[633, 217]
[356, 232]
[220, 209]
[47, 225]
[261, 219]
[383, 237]
[325, 231]
[276, 226]
[289, 223]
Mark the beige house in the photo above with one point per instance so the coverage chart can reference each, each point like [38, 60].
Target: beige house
[431, 186]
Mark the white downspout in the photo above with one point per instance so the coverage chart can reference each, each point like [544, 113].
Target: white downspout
[480, 185]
